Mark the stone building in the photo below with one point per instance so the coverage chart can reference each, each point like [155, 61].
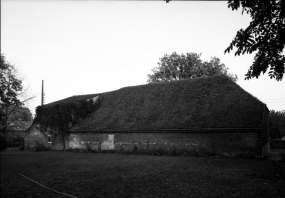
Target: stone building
[214, 114]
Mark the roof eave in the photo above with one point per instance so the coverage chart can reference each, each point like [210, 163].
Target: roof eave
[205, 130]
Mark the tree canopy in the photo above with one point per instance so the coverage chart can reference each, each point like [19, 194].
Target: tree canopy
[265, 35]
[176, 67]
[19, 113]
[10, 84]
[10, 88]
[277, 124]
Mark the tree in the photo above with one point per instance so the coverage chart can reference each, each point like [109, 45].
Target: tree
[265, 34]
[19, 113]
[12, 94]
[10, 88]
[176, 67]
[277, 124]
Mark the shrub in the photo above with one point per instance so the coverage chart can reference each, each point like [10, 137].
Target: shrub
[277, 124]
[15, 141]
[3, 143]
[245, 155]
[174, 152]
[89, 148]
[40, 147]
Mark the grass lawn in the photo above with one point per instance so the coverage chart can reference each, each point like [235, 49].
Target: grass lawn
[116, 175]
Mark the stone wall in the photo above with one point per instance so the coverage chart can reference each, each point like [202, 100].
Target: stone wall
[211, 141]
[215, 142]
[34, 137]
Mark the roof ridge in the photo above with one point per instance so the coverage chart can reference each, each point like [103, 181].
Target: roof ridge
[155, 84]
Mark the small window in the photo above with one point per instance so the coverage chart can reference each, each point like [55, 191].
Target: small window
[49, 138]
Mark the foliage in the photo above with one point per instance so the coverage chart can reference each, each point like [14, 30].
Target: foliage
[60, 117]
[174, 151]
[40, 147]
[89, 148]
[10, 88]
[19, 113]
[265, 34]
[277, 124]
[10, 84]
[176, 67]
[14, 141]
[3, 143]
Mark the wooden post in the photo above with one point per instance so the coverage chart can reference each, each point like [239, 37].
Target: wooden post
[42, 103]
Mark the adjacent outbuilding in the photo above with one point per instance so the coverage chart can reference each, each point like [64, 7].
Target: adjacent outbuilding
[16, 131]
[211, 114]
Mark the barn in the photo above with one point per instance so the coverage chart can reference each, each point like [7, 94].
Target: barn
[211, 114]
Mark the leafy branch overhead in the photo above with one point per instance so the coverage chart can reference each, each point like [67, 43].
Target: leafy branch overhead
[176, 67]
[265, 35]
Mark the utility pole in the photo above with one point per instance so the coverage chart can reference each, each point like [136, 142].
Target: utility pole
[42, 93]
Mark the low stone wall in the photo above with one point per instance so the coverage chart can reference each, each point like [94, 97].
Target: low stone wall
[150, 142]
[168, 142]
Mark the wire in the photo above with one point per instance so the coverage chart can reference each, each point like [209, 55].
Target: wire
[47, 187]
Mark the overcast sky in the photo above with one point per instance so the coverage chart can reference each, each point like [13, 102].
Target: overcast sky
[85, 47]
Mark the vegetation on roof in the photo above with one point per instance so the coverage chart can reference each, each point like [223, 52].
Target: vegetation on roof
[72, 99]
[211, 102]
[60, 116]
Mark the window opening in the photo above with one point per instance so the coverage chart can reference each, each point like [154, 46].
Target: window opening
[49, 138]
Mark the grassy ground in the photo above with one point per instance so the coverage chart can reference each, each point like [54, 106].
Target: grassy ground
[115, 175]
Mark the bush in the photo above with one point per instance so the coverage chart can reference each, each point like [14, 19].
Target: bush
[15, 141]
[40, 147]
[277, 124]
[3, 143]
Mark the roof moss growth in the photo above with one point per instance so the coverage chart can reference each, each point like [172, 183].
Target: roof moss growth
[212, 102]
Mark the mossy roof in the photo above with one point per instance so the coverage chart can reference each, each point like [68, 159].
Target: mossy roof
[201, 103]
[71, 99]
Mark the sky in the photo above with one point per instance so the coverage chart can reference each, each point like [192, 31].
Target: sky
[86, 47]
